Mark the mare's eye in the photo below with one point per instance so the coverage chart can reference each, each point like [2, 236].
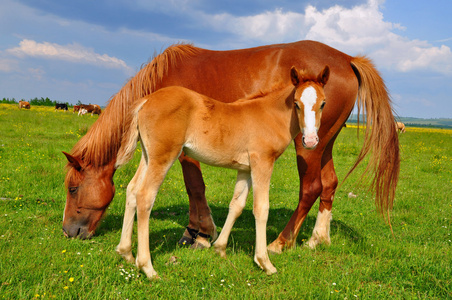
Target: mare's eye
[73, 189]
[322, 105]
[296, 105]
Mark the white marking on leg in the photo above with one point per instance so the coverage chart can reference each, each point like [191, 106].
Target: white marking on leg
[321, 232]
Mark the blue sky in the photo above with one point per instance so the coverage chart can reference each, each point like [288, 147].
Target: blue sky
[86, 50]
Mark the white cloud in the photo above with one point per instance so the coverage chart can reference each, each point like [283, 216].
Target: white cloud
[269, 26]
[357, 30]
[410, 55]
[72, 53]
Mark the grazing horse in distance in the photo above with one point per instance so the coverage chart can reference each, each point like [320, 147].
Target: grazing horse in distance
[227, 76]
[62, 106]
[400, 127]
[24, 104]
[248, 136]
[94, 109]
[82, 111]
[76, 108]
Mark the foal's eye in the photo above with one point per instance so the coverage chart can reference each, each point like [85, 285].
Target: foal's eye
[73, 189]
[322, 105]
[296, 105]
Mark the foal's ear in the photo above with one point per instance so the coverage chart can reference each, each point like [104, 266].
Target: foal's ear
[324, 75]
[294, 76]
[73, 161]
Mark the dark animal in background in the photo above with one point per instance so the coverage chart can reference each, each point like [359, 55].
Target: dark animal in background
[62, 106]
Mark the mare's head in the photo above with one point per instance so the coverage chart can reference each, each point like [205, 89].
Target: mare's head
[90, 190]
[309, 100]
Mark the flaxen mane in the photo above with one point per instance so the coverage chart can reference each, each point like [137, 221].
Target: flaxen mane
[100, 145]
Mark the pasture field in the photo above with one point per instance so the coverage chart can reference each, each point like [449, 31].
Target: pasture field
[364, 261]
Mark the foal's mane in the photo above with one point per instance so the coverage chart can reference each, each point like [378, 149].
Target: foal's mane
[101, 143]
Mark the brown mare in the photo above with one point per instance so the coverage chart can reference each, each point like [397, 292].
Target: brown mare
[24, 104]
[247, 136]
[227, 76]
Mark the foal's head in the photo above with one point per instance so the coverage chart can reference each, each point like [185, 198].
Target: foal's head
[90, 190]
[309, 101]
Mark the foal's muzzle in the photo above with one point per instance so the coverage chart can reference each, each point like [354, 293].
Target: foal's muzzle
[310, 141]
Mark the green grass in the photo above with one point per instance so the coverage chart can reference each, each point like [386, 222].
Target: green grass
[364, 261]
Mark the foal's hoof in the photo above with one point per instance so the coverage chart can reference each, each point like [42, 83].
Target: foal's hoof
[271, 271]
[126, 255]
[221, 251]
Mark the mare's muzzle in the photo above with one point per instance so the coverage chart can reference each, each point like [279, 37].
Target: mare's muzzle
[76, 231]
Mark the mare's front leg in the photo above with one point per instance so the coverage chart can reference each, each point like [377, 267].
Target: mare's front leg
[124, 247]
[242, 188]
[201, 226]
[321, 231]
[309, 163]
[261, 171]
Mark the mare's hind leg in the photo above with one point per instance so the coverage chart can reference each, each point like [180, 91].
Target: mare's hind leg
[309, 166]
[242, 188]
[201, 225]
[124, 247]
[321, 231]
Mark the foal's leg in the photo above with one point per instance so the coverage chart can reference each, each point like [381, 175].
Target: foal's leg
[310, 189]
[321, 232]
[200, 220]
[260, 175]
[158, 166]
[242, 188]
[124, 247]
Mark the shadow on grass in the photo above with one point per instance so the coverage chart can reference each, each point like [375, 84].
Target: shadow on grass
[243, 234]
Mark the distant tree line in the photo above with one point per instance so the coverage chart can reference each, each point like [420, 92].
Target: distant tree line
[36, 101]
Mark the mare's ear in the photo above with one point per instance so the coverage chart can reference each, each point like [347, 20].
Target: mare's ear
[324, 75]
[73, 161]
[294, 76]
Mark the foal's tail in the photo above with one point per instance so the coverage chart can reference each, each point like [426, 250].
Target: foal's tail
[131, 136]
[380, 137]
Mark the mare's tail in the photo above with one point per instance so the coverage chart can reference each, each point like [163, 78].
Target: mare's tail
[131, 135]
[380, 137]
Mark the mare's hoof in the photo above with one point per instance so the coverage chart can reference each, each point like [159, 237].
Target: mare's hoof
[275, 248]
[186, 241]
[200, 243]
[189, 237]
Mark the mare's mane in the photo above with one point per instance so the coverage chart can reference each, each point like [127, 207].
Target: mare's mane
[101, 143]
[306, 76]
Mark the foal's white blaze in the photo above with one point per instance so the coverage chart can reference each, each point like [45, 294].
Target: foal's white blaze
[309, 98]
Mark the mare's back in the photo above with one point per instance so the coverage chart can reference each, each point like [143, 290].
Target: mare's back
[231, 75]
